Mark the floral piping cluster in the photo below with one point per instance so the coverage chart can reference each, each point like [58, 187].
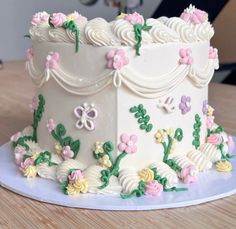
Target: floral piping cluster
[168, 138]
[64, 146]
[28, 154]
[150, 184]
[76, 183]
[224, 143]
[116, 59]
[143, 119]
[102, 152]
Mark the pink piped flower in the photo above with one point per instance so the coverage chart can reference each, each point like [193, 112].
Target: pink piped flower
[231, 144]
[116, 59]
[51, 125]
[194, 15]
[29, 54]
[213, 53]
[33, 105]
[153, 188]
[15, 137]
[185, 56]
[26, 163]
[214, 139]
[188, 174]
[127, 143]
[39, 17]
[52, 60]
[19, 153]
[134, 18]
[58, 19]
[76, 175]
[209, 122]
[67, 153]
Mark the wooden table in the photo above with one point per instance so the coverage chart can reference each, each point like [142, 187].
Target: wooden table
[16, 91]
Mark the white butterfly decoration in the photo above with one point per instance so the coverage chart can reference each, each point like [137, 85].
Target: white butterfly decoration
[86, 115]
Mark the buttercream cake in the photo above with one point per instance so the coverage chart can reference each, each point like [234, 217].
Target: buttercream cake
[122, 107]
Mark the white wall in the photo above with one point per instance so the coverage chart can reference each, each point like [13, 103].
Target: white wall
[15, 17]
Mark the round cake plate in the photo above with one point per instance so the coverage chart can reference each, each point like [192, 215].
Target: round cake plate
[211, 185]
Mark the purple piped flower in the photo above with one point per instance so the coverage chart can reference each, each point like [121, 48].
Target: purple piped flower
[184, 105]
[205, 107]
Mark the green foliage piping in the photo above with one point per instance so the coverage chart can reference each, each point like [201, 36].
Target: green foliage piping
[143, 118]
[37, 116]
[196, 132]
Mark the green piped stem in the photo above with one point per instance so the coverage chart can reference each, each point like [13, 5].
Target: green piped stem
[114, 171]
[138, 28]
[74, 28]
[37, 116]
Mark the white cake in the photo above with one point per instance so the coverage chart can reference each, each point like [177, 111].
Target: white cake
[138, 86]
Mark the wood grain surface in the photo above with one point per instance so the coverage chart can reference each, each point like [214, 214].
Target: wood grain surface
[16, 91]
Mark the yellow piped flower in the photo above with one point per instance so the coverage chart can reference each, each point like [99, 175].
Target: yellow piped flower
[105, 161]
[224, 166]
[81, 185]
[121, 16]
[146, 175]
[98, 147]
[210, 111]
[170, 132]
[58, 148]
[161, 136]
[71, 190]
[30, 171]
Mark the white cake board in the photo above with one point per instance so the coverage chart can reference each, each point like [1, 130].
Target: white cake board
[211, 186]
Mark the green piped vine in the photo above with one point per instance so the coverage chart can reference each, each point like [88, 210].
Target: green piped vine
[138, 28]
[196, 132]
[37, 116]
[112, 165]
[21, 142]
[59, 134]
[143, 119]
[71, 25]
[140, 191]
[168, 138]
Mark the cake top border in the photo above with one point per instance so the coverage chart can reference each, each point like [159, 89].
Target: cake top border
[126, 30]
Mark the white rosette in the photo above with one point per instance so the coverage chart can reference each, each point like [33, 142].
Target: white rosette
[184, 30]
[98, 32]
[33, 147]
[129, 180]
[49, 172]
[124, 31]
[211, 152]
[160, 33]
[92, 175]
[40, 32]
[58, 35]
[164, 170]
[64, 168]
[199, 160]
[204, 31]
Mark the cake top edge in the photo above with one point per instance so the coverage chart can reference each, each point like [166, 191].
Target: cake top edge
[126, 30]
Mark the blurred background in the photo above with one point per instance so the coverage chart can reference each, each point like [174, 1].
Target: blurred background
[15, 17]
